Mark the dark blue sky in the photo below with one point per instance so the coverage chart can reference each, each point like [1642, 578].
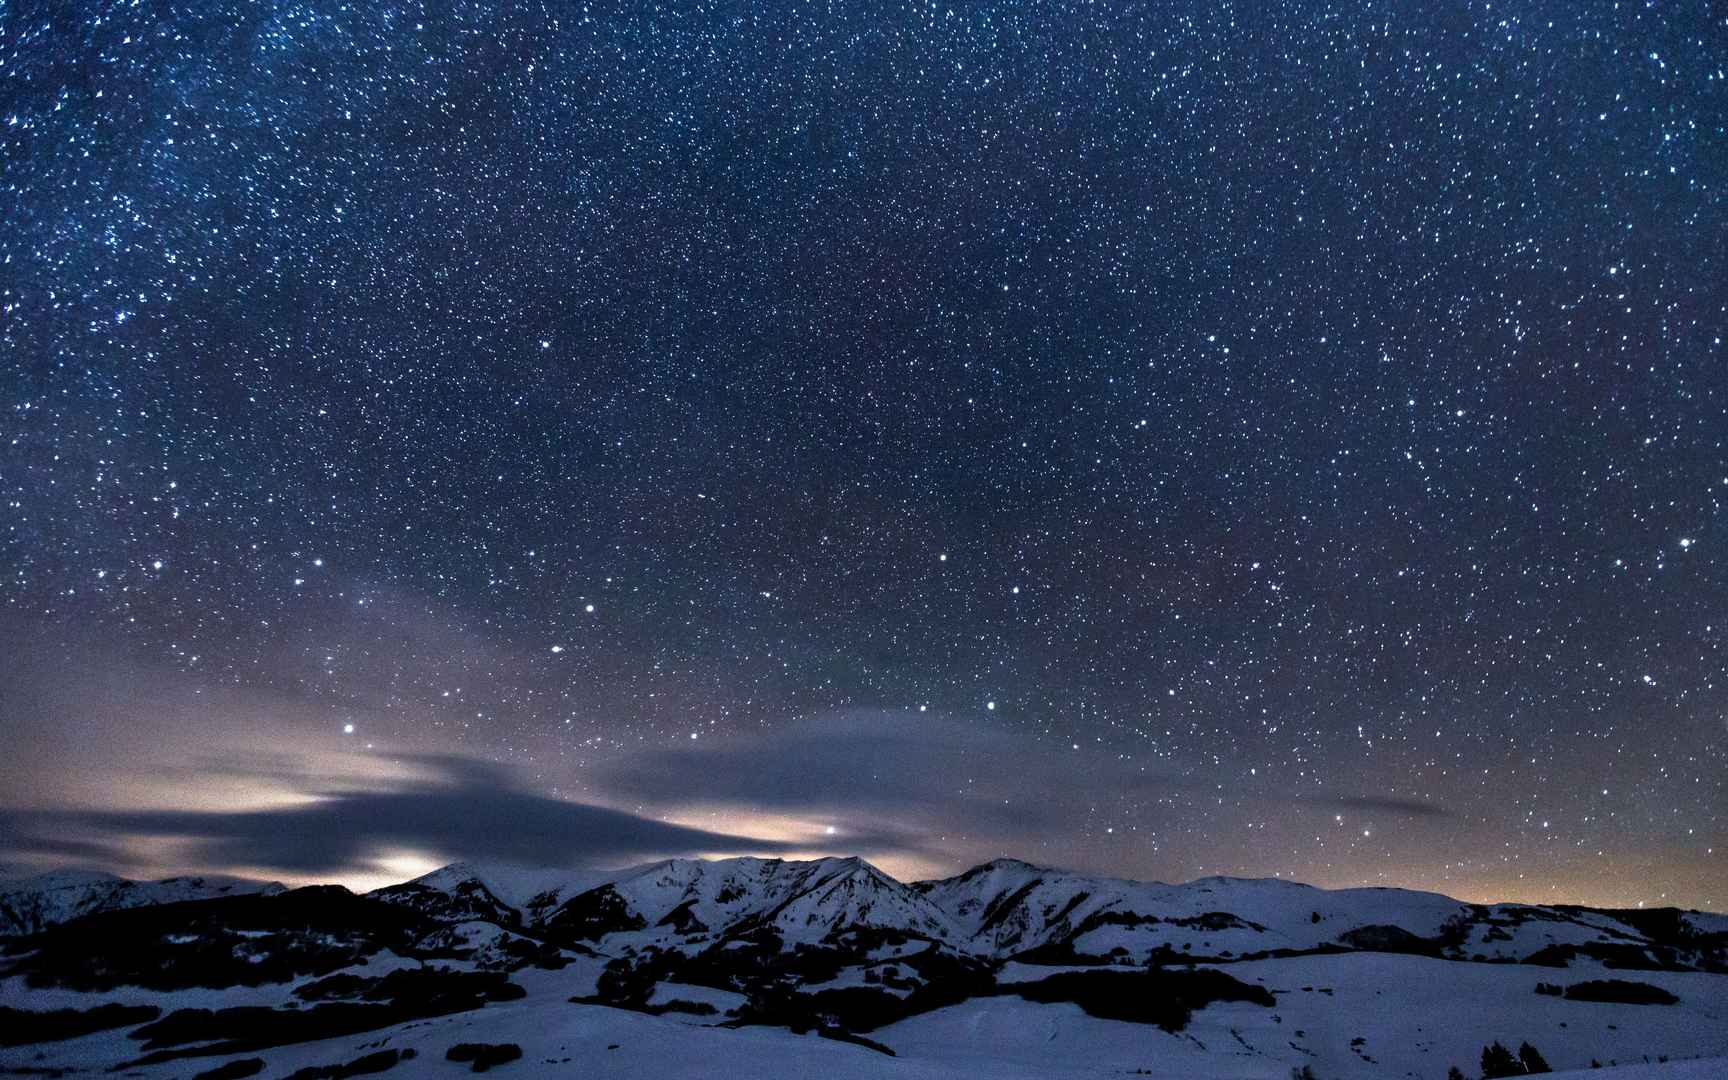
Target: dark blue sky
[1293, 407]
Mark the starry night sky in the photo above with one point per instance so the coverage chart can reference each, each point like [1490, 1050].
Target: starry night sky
[1189, 438]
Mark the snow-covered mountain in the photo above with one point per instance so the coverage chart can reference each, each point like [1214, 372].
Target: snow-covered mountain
[531, 890]
[800, 901]
[1000, 910]
[30, 904]
[1008, 908]
[680, 902]
[1008, 970]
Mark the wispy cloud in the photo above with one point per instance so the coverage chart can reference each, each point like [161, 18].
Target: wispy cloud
[1373, 804]
[914, 771]
[461, 808]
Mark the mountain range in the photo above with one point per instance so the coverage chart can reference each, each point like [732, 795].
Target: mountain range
[33, 903]
[1007, 908]
[749, 956]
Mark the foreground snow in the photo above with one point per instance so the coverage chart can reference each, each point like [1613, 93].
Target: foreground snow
[1700, 1069]
[1348, 1016]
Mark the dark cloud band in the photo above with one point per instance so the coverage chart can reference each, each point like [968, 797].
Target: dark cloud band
[463, 810]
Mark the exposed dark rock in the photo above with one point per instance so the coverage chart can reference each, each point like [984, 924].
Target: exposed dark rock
[998, 910]
[592, 915]
[683, 919]
[1217, 920]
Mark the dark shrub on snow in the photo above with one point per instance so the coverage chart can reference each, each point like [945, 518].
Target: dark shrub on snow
[360, 1066]
[233, 1070]
[483, 1056]
[1620, 991]
[19, 1027]
[1165, 998]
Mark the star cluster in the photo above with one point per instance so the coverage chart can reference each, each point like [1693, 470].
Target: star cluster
[1319, 408]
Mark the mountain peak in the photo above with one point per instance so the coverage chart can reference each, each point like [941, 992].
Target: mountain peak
[845, 862]
[1006, 863]
[61, 879]
[999, 866]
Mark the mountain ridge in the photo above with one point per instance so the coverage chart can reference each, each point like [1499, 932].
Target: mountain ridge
[525, 890]
[1010, 907]
[37, 901]
[1282, 971]
[999, 910]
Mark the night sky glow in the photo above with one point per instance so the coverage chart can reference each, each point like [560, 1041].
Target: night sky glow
[1196, 438]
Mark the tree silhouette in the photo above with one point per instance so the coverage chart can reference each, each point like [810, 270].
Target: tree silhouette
[1497, 1061]
[1532, 1060]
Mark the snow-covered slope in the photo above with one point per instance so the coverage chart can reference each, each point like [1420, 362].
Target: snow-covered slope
[1347, 1017]
[33, 903]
